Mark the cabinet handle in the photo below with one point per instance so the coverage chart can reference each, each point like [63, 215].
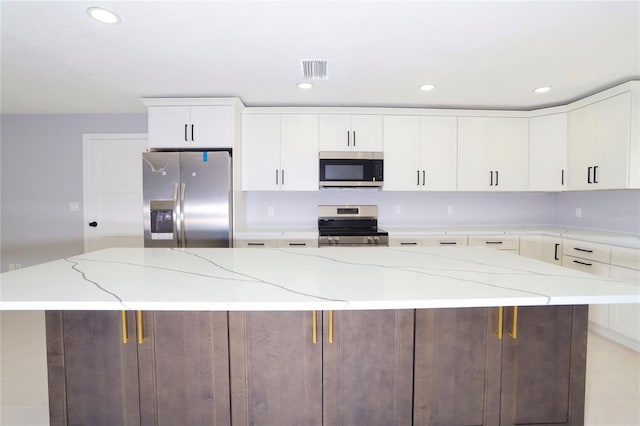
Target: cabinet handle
[555, 254]
[589, 175]
[354, 138]
[496, 178]
[185, 132]
[514, 329]
[448, 243]
[562, 178]
[595, 175]
[582, 263]
[418, 176]
[192, 136]
[348, 138]
[409, 243]
[330, 326]
[255, 244]
[276, 176]
[314, 326]
[282, 176]
[125, 327]
[423, 178]
[298, 244]
[491, 183]
[500, 320]
[584, 250]
[493, 242]
[140, 324]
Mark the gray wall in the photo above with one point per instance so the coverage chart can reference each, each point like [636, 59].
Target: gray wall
[41, 172]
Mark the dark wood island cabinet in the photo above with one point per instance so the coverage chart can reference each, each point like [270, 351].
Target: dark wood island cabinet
[450, 366]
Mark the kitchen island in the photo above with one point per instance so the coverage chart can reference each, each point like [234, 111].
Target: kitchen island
[315, 336]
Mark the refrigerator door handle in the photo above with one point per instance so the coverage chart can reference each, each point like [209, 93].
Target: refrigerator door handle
[183, 242]
[176, 214]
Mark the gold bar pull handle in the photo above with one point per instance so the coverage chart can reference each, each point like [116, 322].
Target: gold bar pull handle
[514, 329]
[140, 324]
[314, 326]
[330, 326]
[500, 321]
[125, 327]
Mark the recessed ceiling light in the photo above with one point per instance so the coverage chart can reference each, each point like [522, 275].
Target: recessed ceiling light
[103, 15]
[542, 89]
[427, 87]
[305, 85]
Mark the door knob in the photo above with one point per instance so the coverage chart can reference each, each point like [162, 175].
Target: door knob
[93, 224]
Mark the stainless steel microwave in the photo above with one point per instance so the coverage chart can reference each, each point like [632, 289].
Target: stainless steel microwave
[351, 169]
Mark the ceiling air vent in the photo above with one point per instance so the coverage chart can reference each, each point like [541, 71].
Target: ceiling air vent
[314, 70]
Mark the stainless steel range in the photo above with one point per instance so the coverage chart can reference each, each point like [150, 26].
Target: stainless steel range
[350, 226]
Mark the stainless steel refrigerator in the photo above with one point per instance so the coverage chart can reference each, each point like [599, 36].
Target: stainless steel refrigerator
[187, 199]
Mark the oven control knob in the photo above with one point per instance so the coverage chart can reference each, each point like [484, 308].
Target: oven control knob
[337, 239]
[368, 240]
[330, 240]
[376, 240]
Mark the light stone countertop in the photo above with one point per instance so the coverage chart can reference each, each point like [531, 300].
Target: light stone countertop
[302, 279]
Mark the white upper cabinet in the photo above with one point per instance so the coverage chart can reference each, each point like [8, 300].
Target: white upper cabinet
[420, 153]
[191, 127]
[600, 155]
[493, 154]
[280, 152]
[548, 152]
[339, 132]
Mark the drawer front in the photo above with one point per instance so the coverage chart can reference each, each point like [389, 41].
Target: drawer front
[500, 242]
[297, 242]
[404, 242]
[256, 243]
[586, 250]
[454, 240]
[626, 257]
[586, 265]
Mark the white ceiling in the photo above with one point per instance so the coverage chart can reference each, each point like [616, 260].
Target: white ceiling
[55, 59]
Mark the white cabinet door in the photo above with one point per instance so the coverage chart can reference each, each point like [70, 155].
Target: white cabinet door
[212, 126]
[493, 154]
[625, 319]
[191, 127]
[438, 154]
[552, 249]
[367, 132]
[402, 168]
[531, 246]
[299, 152]
[473, 154]
[598, 146]
[548, 152]
[508, 153]
[261, 152]
[169, 126]
[339, 132]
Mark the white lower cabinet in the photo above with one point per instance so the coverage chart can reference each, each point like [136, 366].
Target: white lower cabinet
[256, 243]
[531, 246]
[509, 243]
[293, 242]
[598, 314]
[426, 241]
[625, 319]
[552, 249]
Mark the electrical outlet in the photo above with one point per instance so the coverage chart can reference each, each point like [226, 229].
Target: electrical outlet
[578, 212]
[449, 209]
[270, 211]
[14, 266]
[398, 210]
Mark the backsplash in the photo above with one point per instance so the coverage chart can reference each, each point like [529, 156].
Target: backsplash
[615, 211]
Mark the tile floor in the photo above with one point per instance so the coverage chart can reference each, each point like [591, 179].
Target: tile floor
[613, 384]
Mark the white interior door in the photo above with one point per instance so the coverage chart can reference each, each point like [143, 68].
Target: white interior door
[113, 191]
